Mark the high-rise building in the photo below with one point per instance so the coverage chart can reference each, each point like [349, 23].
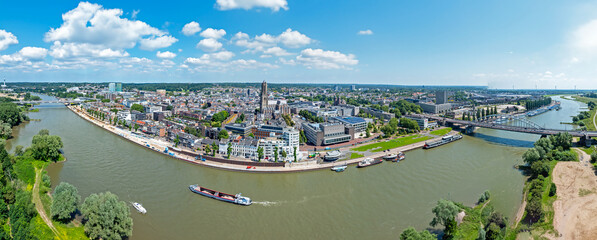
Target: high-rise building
[353, 88]
[441, 97]
[119, 87]
[112, 87]
[263, 97]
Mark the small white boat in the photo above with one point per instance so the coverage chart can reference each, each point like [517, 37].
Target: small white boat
[339, 168]
[139, 207]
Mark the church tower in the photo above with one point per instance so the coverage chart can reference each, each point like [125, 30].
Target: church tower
[263, 97]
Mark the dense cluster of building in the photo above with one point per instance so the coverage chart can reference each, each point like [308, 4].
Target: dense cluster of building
[260, 124]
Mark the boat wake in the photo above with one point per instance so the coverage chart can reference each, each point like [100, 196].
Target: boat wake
[268, 203]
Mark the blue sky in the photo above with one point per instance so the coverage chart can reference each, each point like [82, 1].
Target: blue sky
[500, 44]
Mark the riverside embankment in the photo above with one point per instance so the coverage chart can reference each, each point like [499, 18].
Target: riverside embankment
[376, 202]
[191, 157]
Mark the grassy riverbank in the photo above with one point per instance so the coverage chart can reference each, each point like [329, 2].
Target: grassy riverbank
[32, 172]
[441, 132]
[394, 143]
[589, 122]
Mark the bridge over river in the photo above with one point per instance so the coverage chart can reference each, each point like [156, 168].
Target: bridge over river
[49, 101]
[512, 123]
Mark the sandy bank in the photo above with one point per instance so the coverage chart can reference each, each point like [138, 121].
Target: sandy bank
[576, 207]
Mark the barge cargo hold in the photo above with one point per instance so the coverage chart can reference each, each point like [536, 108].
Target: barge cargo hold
[237, 199]
[369, 162]
[444, 140]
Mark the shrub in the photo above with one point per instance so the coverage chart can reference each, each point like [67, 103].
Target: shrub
[552, 190]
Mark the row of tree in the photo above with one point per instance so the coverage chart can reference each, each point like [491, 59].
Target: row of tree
[479, 114]
[534, 104]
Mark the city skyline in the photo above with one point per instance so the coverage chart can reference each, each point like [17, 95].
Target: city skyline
[500, 45]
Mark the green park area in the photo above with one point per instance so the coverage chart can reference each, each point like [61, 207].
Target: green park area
[441, 132]
[355, 155]
[394, 143]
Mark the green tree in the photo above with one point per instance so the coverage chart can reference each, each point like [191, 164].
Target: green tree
[66, 201]
[44, 132]
[531, 156]
[215, 147]
[107, 217]
[294, 154]
[540, 168]
[534, 209]
[5, 130]
[207, 149]
[494, 231]
[176, 141]
[19, 150]
[136, 127]
[543, 146]
[284, 154]
[444, 212]
[484, 197]
[259, 153]
[412, 234]
[223, 134]
[137, 107]
[276, 153]
[45, 146]
[229, 150]
[552, 190]
[561, 140]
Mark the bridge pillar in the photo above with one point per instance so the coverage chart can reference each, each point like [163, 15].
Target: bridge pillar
[469, 130]
[585, 140]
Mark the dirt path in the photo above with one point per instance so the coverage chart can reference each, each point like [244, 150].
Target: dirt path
[520, 212]
[38, 204]
[576, 206]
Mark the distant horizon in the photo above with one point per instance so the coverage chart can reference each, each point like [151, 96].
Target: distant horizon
[326, 84]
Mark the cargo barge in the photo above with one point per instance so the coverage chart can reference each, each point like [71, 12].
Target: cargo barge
[236, 199]
[444, 140]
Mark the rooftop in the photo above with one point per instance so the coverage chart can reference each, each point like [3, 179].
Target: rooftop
[351, 120]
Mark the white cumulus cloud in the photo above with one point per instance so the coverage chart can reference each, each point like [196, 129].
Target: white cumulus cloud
[294, 39]
[209, 45]
[166, 54]
[365, 32]
[321, 59]
[289, 38]
[92, 24]
[84, 50]
[153, 43]
[34, 53]
[274, 5]
[191, 28]
[213, 33]
[276, 51]
[7, 39]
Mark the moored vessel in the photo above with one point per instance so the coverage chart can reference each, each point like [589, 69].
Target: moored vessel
[444, 140]
[339, 168]
[237, 199]
[332, 156]
[369, 162]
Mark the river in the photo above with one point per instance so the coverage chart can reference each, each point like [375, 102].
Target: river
[373, 203]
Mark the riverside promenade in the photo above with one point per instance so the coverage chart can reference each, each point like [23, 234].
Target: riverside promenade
[187, 156]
